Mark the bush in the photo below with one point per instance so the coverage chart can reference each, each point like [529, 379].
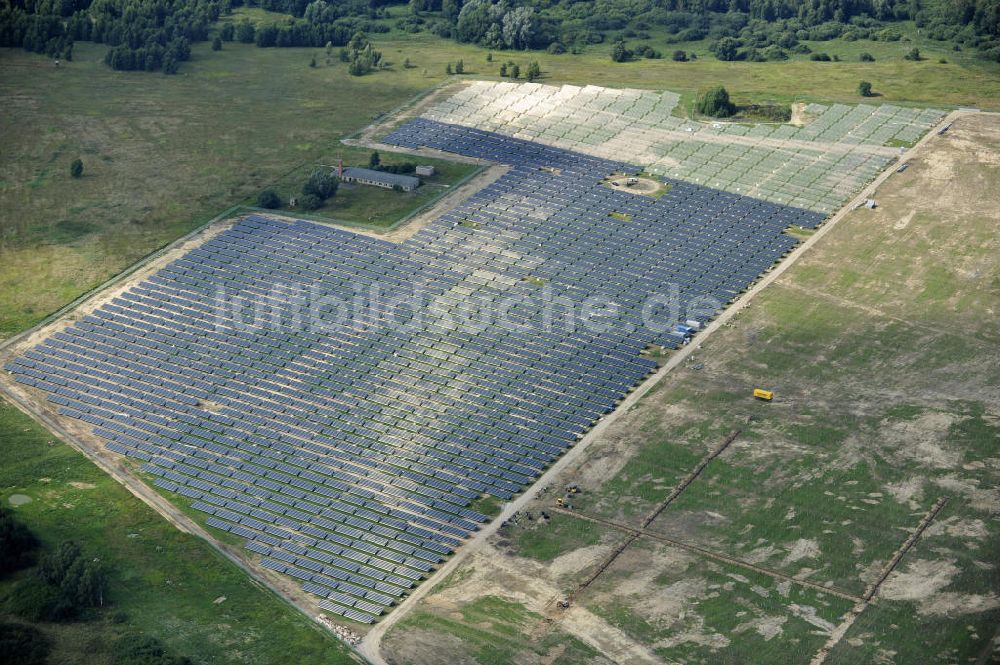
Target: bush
[766, 112]
[310, 202]
[620, 52]
[865, 88]
[819, 57]
[866, 57]
[913, 54]
[76, 168]
[34, 601]
[54, 567]
[268, 199]
[648, 52]
[726, 49]
[556, 48]
[405, 167]
[64, 584]
[245, 32]
[679, 56]
[774, 52]
[322, 184]
[217, 43]
[716, 103]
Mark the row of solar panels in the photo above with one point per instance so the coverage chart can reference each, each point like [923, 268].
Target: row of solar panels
[585, 365]
[392, 431]
[552, 450]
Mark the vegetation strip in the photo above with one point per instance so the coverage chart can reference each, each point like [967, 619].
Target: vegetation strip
[676, 492]
[690, 478]
[904, 548]
[869, 595]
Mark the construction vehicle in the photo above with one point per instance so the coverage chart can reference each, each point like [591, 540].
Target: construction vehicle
[766, 395]
[573, 489]
[561, 502]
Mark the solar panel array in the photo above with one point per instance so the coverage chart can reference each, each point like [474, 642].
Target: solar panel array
[817, 166]
[347, 452]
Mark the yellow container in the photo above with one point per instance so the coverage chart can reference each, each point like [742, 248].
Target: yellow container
[760, 393]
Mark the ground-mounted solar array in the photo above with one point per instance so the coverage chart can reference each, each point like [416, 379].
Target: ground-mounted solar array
[347, 449]
[816, 166]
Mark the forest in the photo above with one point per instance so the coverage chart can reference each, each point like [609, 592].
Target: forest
[156, 35]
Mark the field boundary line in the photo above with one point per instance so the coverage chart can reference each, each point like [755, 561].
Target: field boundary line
[711, 554]
[690, 478]
[370, 645]
[653, 514]
[925, 522]
[869, 596]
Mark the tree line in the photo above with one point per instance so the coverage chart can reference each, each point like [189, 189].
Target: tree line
[745, 28]
[157, 34]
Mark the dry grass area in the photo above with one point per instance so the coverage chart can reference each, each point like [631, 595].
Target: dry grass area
[880, 345]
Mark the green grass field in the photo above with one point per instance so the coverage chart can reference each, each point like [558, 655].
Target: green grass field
[360, 205]
[161, 155]
[163, 583]
[693, 610]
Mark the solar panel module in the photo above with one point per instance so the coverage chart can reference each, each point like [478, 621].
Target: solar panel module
[348, 450]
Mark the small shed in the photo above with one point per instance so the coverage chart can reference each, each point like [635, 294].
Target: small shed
[425, 170]
[380, 179]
